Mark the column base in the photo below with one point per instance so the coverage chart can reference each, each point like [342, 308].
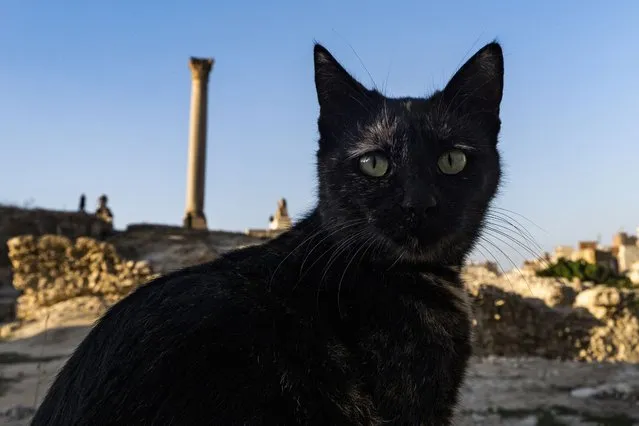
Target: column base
[194, 221]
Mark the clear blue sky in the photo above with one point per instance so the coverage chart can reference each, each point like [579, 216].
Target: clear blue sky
[94, 98]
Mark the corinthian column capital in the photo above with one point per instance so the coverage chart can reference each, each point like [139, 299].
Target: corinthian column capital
[201, 68]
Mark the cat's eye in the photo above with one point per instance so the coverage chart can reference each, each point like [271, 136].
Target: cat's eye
[452, 162]
[374, 164]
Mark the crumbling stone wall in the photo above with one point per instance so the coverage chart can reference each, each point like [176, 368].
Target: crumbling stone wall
[552, 291]
[53, 268]
[508, 324]
[16, 221]
[617, 336]
[602, 323]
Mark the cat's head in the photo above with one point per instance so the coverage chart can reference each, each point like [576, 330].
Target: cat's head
[414, 176]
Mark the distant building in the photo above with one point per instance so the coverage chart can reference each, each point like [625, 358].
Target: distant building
[621, 256]
[590, 252]
[627, 255]
[562, 252]
[623, 239]
[633, 273]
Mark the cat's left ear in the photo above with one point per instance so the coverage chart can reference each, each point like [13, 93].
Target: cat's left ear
[337, 90]
[479, 83]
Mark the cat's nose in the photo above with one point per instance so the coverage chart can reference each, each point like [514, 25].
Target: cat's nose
[424, 202]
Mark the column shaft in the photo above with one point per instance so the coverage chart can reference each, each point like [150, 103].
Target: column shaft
[196, 173]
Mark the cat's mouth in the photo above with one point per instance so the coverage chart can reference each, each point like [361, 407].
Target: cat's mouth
[419, 243]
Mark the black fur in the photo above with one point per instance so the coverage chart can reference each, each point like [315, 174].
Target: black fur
[357, 316]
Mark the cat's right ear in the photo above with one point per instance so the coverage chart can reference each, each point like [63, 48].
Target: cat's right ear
[337, 90]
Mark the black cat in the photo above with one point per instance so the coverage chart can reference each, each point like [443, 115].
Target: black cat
[357, 316]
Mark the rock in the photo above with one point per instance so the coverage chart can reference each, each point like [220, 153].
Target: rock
[18, 412]
[51, 269]
[554, 292]
[599, 296]
[508, 324]
[607, 390]
[566, 320]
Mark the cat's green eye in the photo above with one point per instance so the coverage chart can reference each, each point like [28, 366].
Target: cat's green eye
[452, 162]
[374, 164]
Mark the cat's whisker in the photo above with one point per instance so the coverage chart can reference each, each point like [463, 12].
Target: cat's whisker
[520, 215]
[538, 256]
[502, 217]
[494, 228]
[342, 245]
[491, 232]
[359, 59]
[339, 286]
[348, 224]
[506, 218]
[499, 265]
[320, 229]
[372, 243]
[514, 266]
[345, 245]
[403, 252]
[302, 273]
[506, 225]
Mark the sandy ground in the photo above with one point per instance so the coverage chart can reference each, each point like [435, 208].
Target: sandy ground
[498, 391]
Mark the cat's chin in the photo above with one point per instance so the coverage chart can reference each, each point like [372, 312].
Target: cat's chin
[418, 251]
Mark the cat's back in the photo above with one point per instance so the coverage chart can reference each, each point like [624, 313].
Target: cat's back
[201, 331]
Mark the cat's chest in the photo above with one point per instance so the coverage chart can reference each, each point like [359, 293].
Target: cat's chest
[399, 338]
[410, 344]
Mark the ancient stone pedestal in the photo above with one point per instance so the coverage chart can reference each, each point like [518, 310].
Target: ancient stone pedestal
[279, 223]
[194, 217]
[281, 220]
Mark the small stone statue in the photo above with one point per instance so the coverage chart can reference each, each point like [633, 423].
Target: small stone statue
[83, 202]
[281, 209]
[281, 219]
[104, 213]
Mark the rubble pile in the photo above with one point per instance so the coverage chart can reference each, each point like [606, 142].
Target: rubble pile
[52, 269]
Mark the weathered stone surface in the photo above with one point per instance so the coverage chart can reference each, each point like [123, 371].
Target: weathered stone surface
[510, 325]
[554, 292]
[602, 296]
[541, 392]
[617, 338]
[15, 221]
[52, 269]
[601, 325]
[168, 248]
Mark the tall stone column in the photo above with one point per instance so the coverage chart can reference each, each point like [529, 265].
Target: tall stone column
[195, 179]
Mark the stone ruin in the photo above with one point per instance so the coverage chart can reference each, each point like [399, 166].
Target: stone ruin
[194, 217]
[517, 314]
[51, 269]
[278, 223]
[514, 315]
[281, 221]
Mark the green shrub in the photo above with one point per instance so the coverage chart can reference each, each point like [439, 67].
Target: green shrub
[584, 271]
